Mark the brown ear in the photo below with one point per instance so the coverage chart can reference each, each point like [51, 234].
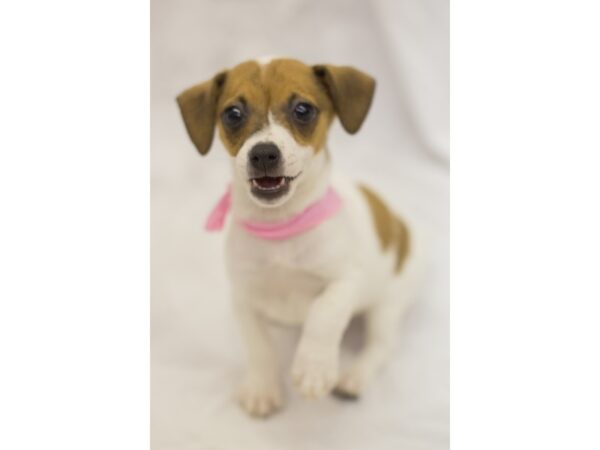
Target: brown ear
[198, 106]
[351, 92]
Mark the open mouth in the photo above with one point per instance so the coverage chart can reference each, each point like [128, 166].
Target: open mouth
[270, 187]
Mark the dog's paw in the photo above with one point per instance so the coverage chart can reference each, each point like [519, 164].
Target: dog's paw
[315, 375]
[350, 385]
[260, 397]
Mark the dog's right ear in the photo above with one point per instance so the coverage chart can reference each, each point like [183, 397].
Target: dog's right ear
[198, 106]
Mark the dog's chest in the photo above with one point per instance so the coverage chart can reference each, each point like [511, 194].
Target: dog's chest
[283, 295]
[281, 279]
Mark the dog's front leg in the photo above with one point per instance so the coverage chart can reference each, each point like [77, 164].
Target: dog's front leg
[260, 391]
[315, 367]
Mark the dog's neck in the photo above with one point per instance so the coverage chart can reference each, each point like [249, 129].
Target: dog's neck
[309, 190]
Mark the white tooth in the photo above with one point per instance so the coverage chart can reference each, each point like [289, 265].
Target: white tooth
[255, 184]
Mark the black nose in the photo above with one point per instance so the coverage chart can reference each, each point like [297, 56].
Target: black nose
[264, 156]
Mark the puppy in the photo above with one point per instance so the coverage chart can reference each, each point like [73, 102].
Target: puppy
[306, 247]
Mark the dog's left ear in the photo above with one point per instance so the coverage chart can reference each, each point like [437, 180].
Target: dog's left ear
[198, 106]
[351, 92]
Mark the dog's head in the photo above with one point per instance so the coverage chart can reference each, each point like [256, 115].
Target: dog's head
[273, 119]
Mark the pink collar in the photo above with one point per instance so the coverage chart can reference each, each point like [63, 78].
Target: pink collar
[312, 216]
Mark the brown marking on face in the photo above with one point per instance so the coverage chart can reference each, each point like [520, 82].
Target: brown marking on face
[244, 88]
[276, 88]
[391, 231]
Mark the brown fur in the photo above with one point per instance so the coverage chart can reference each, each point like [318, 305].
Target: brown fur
[198, 105]
[390, 230]
[333, 90]
[351, 92]
[270, 89]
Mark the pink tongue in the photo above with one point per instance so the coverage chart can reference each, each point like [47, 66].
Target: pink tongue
[268, 182]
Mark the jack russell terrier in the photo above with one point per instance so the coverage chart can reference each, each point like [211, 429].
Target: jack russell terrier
[305, 247]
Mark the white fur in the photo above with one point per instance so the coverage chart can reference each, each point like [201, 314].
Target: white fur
[266, 59]
[318, 279]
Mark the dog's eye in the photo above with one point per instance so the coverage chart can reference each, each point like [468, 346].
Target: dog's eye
[233, 116]
[304, 112]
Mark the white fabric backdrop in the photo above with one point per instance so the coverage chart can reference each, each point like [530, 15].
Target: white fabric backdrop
[402, 151]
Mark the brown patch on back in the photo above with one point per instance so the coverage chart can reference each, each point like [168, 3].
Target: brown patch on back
[391, 231]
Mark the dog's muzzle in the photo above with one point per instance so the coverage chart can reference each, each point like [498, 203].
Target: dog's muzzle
[265, 168]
